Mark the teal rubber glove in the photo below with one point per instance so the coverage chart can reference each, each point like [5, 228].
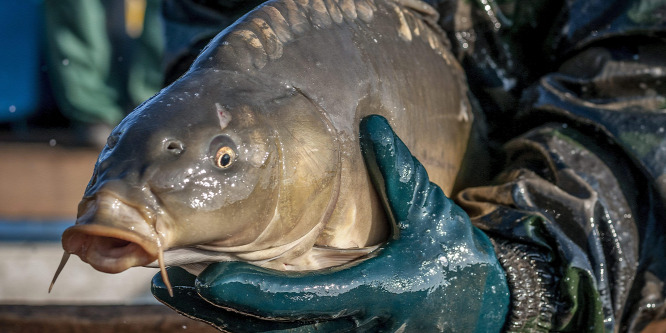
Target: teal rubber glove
[436, 273]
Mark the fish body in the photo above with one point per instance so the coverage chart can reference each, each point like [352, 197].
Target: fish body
[253, 154]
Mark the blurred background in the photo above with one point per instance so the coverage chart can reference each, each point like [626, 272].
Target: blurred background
[70, 70]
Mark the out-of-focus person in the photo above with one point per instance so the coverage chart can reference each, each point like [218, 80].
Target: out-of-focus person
[104, 58]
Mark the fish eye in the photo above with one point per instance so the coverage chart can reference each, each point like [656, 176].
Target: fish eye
[225, 157]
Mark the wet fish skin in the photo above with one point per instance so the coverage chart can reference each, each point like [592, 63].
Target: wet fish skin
[283, 91]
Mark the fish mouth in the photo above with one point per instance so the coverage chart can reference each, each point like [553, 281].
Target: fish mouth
[108, 249]
[112, 236]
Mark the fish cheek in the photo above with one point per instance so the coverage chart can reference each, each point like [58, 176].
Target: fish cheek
[231, 209]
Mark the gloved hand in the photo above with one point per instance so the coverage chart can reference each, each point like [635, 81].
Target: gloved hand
[436, 273]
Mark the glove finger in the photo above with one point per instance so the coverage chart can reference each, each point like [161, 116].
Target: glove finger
[317, 295]
[187, 302]
[410, 198]
[275, 295]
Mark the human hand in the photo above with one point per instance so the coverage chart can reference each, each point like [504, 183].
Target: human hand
[436, 273]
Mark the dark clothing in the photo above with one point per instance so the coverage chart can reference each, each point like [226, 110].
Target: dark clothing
[574, 92]
[190, 24]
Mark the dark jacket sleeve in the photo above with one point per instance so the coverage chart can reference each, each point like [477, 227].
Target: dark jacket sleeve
[594, 215]
[574, 92]
[586, 184]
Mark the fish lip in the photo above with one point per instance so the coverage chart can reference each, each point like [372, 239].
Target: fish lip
[112, 235]
[109, 249]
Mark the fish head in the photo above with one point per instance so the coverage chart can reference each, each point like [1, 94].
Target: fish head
[214, 159]
[192, 165]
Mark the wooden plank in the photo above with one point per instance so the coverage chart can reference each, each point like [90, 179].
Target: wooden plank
[42, 182]
[96, 319]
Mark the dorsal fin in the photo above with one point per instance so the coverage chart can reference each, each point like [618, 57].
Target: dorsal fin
[261, 36]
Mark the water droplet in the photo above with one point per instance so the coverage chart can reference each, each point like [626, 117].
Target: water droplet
[65, 62]
[12, 108]
[52, 142]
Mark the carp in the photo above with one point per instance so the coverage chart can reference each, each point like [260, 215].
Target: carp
[253, 155]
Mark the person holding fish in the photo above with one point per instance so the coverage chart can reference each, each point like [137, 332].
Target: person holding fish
[558, 221]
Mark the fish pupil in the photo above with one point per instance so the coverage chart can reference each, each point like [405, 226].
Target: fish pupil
[225, 160]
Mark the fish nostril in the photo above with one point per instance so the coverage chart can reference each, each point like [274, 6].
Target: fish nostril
[174, 147]
[112, 140]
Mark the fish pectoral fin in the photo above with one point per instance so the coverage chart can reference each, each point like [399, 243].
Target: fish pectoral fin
[329, 257]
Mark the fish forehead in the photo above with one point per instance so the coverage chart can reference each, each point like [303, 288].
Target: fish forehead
[188, 109]
[187, 182]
